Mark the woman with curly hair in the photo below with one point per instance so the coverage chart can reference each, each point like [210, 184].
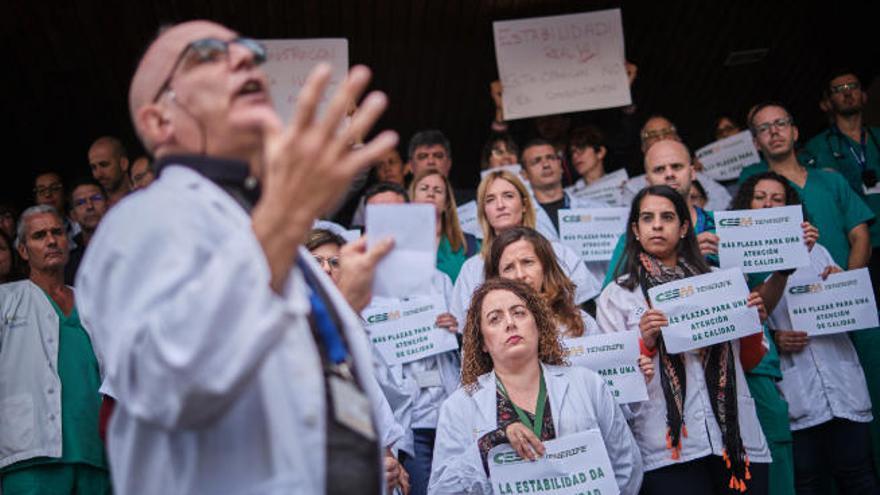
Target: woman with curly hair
[517, 390]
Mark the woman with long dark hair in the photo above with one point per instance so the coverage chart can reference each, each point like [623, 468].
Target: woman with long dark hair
[698, 431]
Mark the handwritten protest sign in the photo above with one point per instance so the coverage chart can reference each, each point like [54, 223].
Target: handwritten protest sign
[404, 331]
[761, 240]
[608, 189]
[572, 465]
[724, 159]
[614, 356]
[561, 64]
[705, 310]
[408, 268]
[841, 303]
[592, 232]
[289, 62]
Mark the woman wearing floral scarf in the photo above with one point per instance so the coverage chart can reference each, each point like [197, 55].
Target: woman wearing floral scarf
[698, 431]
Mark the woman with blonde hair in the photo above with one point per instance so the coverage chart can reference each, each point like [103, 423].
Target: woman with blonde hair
[454, 247]
[503, 202]
[518, 391]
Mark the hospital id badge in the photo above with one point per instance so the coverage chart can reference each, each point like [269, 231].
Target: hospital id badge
[351, 407]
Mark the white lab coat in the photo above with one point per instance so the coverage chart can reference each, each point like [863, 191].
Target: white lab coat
[619, 310]
[579, 401]
[414, 405]
[718, 198]
[219, 382]
[471, 276]
[825, 380]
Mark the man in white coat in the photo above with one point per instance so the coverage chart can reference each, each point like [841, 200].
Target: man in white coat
[237, 366]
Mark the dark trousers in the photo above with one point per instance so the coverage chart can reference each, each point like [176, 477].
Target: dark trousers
[704, 476]
[840, 449]
[419, 467]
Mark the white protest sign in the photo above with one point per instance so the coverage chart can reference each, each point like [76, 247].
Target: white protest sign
[592, 232]
[405, 331]
[561, 64]
[613, 356]
[761, 240]
[575, 464]
[705, 310]
[289, 61]
[467, 218]
[724, 159]
[841, 303]
[408, 268]
[608, 189]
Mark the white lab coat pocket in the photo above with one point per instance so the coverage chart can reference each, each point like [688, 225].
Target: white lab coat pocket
[18, 428]
[796, 392]
[749, 428]
[856, 400]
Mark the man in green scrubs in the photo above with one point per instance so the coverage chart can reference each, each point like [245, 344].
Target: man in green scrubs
[49, 443]
[832, 206]
[853, 149]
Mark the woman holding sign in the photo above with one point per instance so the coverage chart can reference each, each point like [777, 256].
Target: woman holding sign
[523, 254]
[503, 202]
[698, 432]
[516, 391]
[829, 409]
[453, 245]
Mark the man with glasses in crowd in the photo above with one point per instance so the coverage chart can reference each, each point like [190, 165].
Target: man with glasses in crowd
[852, 148]
[141, 173]
[49, 190]
[88, 205]
[237, 365]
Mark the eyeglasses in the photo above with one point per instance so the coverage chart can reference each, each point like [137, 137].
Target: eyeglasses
[209, 50]
[850, 86]
[48, 190]
[94, 198]
[332, 262]
[776, 124]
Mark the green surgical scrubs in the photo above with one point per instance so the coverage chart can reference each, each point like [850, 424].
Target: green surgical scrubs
[82, 467]
[449, 261]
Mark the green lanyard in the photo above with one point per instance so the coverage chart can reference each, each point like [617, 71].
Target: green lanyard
[539, 407]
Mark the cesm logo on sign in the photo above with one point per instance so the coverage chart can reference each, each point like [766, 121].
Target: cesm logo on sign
[577, 218]
[805, 289]
[380, 317]
[507, 458]
[736, 222]
[671, 294]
